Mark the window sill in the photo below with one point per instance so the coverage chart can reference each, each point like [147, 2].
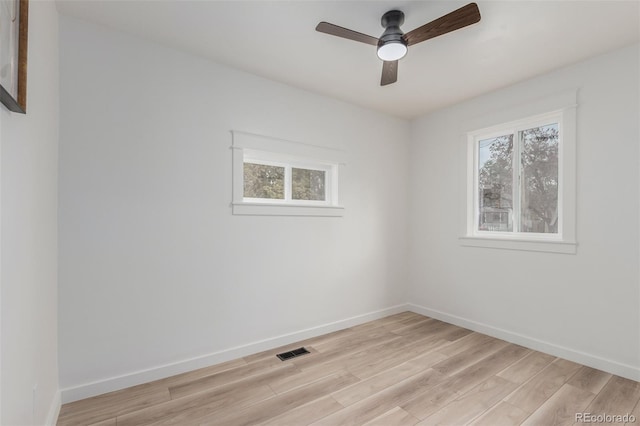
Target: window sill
[549, 246]
[266, 209]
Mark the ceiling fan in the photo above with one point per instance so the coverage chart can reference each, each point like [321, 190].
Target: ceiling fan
[393, 43]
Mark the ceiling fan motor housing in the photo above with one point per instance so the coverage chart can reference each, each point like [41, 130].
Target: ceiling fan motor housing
[391, 21]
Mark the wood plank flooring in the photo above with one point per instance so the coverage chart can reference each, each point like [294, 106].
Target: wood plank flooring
[405, 369]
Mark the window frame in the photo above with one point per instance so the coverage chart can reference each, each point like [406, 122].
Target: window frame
[564, 241]
[516, 129]
[259, 149]
[289, 163]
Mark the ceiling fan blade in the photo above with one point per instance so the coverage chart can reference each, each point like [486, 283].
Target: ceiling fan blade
[327, 28]
[389, 73]
[455, 20]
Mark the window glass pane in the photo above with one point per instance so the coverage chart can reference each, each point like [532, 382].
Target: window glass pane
[262, 181]
[539, 192]
[495, 184]
[308, 184]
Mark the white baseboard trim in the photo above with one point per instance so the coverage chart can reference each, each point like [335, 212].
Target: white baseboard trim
[54, 410]
[610, 366]
[87, 390]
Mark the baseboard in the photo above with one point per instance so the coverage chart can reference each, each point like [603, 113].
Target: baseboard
[610, 366]
[54, 410]
[88, 390]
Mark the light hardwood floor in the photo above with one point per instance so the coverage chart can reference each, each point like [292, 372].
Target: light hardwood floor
[405, 369]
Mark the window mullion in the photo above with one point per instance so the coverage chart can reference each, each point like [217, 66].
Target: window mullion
[287, 184]
[328, 189]
[516, 168]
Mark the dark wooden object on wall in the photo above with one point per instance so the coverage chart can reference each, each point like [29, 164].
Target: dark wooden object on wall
[19, 102]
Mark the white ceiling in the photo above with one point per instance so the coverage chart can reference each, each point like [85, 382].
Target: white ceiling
[514, 40]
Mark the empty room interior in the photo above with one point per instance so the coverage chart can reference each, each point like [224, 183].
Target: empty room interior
[319, 212]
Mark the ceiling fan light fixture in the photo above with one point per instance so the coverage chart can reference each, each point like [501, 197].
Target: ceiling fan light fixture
[392, 51]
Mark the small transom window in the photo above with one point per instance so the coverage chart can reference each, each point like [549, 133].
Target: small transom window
[275, 177]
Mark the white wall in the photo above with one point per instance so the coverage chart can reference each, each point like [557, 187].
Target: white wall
[29, 163]
[154, 268]
[583, 306]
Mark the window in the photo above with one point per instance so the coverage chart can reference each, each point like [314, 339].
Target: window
[276, 177]
[271, 178]
[521, 184]
[309, 184]
[517, 180]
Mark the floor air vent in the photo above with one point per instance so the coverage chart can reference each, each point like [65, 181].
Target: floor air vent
[292, 354]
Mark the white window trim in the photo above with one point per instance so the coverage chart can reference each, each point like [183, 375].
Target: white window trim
[565, 240]
[266, 150]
